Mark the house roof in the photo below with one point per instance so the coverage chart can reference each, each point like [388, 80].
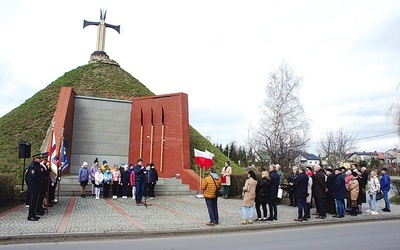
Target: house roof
[382, 156]
[310, 156]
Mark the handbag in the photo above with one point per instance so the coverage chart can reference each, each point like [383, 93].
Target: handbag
[280, 193]
[218, 192]
[223, 179]
[379, 195]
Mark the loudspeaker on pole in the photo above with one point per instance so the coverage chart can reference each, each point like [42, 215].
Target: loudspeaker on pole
[24, 150]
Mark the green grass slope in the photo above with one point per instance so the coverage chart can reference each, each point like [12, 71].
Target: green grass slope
[30, 121]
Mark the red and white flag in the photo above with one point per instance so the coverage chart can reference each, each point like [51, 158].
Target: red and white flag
[203, 159]
[199, 157]
[208, 159]
[54, 156]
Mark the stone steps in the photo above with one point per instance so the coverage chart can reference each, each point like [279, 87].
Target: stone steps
[69, 185]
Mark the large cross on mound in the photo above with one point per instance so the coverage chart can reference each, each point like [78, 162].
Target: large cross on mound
[101, 33]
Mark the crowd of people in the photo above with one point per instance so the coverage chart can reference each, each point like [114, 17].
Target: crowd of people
[336, 192]
[136, 181]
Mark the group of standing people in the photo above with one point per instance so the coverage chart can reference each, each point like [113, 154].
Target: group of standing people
[260, 193]
[343, 187]
[334, 191]
[41, 182]
[134, 181]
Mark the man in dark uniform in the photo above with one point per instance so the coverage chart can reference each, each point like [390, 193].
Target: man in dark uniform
[34, 181]
[44, 172]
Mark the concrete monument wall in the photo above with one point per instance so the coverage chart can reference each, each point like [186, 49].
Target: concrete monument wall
[101, 130]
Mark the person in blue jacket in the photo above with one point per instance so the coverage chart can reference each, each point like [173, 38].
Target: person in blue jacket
[385, 187]
[300, 187]
[140, 179]
[339, 192]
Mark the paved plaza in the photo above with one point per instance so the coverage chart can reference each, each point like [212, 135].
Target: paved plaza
[76, 218]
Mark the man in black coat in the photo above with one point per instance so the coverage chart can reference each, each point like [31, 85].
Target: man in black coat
[273, 193]
[319, 191]
[330, 200]
[300, 193]
[34, 182]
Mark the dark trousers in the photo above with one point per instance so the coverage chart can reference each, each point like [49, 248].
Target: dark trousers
[307, 211]
[52, 192]
[39, 205]
[273, 209]
[140, 185]
[125, 189]
[264, 208]
[301, 206]
[115, 188]
[150, 189]
[106, 190]
[33, 200]
[320, 203]
[292, 198]
[330, 205]
[212, 208]
[340, 206]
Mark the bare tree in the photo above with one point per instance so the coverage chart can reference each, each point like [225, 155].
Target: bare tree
[334, 146]
[394, 112]
[282, 132]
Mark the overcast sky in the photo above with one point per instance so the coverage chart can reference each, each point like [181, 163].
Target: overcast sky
[220, 53]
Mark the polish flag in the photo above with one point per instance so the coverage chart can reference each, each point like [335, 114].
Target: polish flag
[208, 159]
[203, 159]
[199, 157]
[54, 157]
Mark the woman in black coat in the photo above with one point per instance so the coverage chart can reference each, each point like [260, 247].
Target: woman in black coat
[273, 193]
[363, 180]
[292, 177]
[262, 195]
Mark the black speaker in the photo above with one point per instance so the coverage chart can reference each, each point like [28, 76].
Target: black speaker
[24, 150]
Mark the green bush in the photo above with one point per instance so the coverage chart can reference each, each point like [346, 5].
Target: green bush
[7, 186]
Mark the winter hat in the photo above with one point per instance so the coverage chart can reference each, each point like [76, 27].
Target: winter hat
[84, 164]
[104, 162]
[96, 161]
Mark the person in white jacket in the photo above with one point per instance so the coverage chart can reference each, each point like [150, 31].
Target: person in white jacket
[373, 187]
[98, 182]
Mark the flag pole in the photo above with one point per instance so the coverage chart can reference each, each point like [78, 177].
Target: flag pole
[58, 167]
[151, 136]
[162, 139]
[200, 194]
[141, 134]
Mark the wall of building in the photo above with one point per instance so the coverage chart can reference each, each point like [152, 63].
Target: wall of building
[160, 134]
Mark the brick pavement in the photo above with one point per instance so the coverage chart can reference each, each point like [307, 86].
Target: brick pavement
[75, 218]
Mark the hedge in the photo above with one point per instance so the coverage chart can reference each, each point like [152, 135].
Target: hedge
[7, 186]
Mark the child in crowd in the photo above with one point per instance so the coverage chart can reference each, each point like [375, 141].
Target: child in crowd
[132, 182]
[98, 182]
[107, 178]
[116, 180]
[83, 178]
[125, 182]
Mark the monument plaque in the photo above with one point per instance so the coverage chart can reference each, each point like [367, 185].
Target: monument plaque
[101, 130]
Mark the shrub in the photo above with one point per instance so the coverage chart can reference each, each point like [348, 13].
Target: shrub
[7, 186]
